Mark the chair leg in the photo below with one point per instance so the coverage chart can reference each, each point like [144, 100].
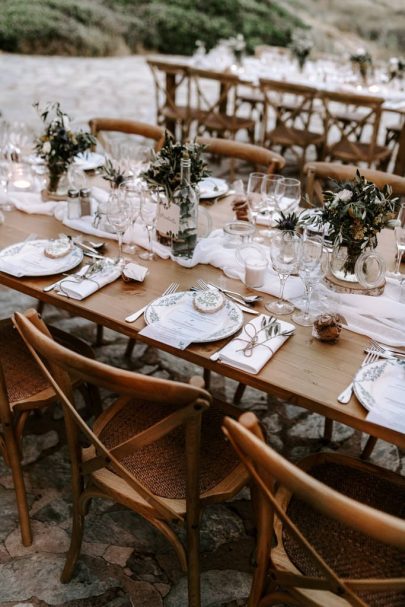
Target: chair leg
[239, 392]
[207, 378]
[370, 444]
[328, 430]
[130, 347]
[193, 564]
[40, 306]
[14, 458]
[75, 542]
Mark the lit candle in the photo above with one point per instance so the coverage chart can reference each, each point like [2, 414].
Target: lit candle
[22, 184]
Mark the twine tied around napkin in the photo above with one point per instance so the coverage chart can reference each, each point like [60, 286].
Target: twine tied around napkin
[270, 328]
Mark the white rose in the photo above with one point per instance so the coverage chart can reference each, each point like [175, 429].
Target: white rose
[46, 148]
[66, 122]
[344, 195]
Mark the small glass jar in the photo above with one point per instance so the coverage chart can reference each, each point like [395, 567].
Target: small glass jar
[237, 233]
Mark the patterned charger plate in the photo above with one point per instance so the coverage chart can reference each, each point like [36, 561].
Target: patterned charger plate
[47, 266]
[381, 385]
[232, 323]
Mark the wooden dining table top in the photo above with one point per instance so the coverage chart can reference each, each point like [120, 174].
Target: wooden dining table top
[305, 371]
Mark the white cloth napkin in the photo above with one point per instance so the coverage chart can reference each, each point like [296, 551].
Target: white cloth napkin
[135, 271]
[232, 354]
[29, 202]
[83, 287]
[29, 259]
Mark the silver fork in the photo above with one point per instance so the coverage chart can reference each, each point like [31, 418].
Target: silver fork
[346, 395]
[387, 352]
[172, 288]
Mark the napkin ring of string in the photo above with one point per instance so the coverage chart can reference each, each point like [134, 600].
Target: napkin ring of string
[252, 339]
[75, 280]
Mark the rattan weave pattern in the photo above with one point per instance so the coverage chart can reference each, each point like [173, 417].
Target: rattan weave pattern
[22, 374]
[161, 466]
[349, 552]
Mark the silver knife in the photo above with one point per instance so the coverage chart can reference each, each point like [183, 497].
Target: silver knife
[133, 317]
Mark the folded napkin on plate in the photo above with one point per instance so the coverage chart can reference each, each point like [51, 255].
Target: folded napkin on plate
[29, 202]
[234, 353]
[134, 271]
[29, 259]
[80, 288]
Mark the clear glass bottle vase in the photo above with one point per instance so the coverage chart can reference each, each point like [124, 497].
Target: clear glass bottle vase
[184, 239]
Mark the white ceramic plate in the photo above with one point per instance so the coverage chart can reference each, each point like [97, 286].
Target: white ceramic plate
[40, 264]
[232, 324]
[88, 161]
[381, 386]
[211, 187]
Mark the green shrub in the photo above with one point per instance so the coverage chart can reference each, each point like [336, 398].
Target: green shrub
[103, 27]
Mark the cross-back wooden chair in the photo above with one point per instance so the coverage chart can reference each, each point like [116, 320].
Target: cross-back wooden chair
[399, 168]
[319, 173]
[152, 450]
[288, 118]
[214, 106]
[330, 533]
[352, 137]
[172, 95]
[23, 389]
[131, 127]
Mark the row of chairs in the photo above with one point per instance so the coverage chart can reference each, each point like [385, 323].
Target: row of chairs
[342, 126]
[329, 532]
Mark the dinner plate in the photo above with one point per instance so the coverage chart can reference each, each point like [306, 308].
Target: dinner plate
[381, 385]
[88, 161]
[233, 320]
[41, 265]
[211, 187]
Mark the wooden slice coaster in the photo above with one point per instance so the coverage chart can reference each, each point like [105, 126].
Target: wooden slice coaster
[343, 286]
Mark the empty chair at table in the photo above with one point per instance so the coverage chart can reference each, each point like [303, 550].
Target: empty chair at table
[214, 105]
[23, 389]
[330, 531]
[320, 174]
[172, 95]
[352, 133]
[158, 449]
[145, 131]
[290, 120]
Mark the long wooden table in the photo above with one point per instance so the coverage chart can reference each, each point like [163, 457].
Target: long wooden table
[305, 371]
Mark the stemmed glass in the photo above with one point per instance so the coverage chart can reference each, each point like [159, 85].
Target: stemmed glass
[284, 253]
[291, 196]
[400, 242]
[309, 270]
[149, 208]
[5, 176]
[119, 217]
[272, 190]
[255, 198]
[132, 193]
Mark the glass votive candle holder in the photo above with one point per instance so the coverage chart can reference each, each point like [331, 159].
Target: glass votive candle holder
[21, 177]
[237, 233]
[254, 261]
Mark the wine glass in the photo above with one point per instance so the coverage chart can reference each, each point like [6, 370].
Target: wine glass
[400, 242]
[119, 217]
[272, 190]
[291, 197]
[284, 253]
[309, 270]
[5, 176]
[255, 197]
[148, 214]
[132, 193]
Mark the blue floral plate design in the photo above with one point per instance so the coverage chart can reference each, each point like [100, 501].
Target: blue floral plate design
[378, 384]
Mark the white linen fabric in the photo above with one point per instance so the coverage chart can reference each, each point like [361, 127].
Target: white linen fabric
[80, 288]
[232, 354]
[30, 202]
[135, 271]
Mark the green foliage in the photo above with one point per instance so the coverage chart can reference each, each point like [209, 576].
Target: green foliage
[103, 27]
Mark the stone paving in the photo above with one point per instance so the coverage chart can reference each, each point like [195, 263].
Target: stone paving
[124, 561]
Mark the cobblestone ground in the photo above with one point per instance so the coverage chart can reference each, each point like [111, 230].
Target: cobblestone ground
[125, 562]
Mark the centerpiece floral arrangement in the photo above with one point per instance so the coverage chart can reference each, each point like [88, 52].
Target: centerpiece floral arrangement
[362, 61]
[396, 68]
[355, 213]
[59, 144]
[301, 46]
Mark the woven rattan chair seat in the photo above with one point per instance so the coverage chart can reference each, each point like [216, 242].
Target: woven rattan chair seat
[282, 135]
[355, 151]
[350, 553]
[22, 375]
[161, 466]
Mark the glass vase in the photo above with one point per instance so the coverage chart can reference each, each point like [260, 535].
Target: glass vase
[343, 260]
[57, 181]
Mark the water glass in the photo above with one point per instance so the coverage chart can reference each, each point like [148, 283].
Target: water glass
[284, 253]
[148, 214]
[255, 198]
[310, 272]
[132, 193]
[119, 217]
[291, 196]
[273, 191]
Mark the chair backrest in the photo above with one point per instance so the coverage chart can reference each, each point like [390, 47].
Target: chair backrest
[286, 104]
[130, 127]
[317, 173]
[188, 403]
[399, 168]
[213, 94]
[171, 81]
[359, 123]
[257, 155]
[267, 467]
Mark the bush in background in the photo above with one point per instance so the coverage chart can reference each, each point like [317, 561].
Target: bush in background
[108, 27]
